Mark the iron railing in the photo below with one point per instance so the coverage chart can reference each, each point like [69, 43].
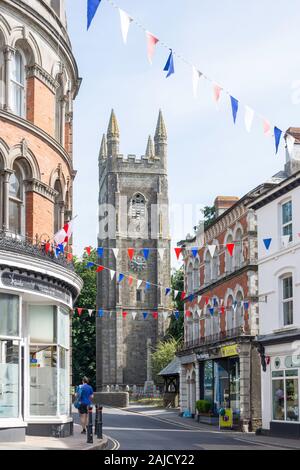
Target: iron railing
[25, 246]
[215, 338]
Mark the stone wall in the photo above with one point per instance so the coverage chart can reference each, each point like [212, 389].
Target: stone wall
[118, 399]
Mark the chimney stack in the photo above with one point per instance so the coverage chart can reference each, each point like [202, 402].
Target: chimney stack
[222, 203]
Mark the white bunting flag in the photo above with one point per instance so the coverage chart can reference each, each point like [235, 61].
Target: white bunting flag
[249, 115]
[112, 274]
[161, 252]
[222, 302]
[139, 283]
[285, 240]
[90, 312]
[176, 292]
[199, 298]
[115, 252]
[290, 142]
[199, 311]
[196, 77]
[212, 249]
[166, 315]
[134, 314]
[125, 22]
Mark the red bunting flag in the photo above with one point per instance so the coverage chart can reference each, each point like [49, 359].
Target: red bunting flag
[99, 269]
[125, 314]
[69, 257]
[130, 280]
[230, 248]
[183, 295]
[155, 315]
[151, 42]
[130, 253]
[188, 313]
[79, 310]
[206, 300]
[178, 252]
[47, 247]
[223, 310]
[88, 250]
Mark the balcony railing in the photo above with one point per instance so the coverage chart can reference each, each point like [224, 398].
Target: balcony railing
[211, 339]
[25, 246]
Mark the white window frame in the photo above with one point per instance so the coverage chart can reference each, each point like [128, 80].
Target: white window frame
[284, 378]
[287, 300]
[287, 224]
[20, 86]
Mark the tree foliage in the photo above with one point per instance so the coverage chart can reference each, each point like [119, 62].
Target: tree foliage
[163, 355]
[209, 214]
[176, 327]
[84, 327]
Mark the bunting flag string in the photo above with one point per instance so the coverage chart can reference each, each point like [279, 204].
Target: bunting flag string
[153, 40]
[195, 313]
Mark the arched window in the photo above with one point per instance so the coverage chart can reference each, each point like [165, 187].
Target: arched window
[58, 207]
[238, 249]
[16, 201]
[229, 260]
[229, 314]
[190, 278]
[196, 275]
[18, 83]
[239, 313]
[207, 267]
[137, 207]
[215, 266]
[208, 325]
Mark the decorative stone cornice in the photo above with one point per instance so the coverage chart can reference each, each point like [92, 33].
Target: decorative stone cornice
[41, 188]
[41, 74]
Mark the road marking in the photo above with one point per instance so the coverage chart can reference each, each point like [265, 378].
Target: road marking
[115, 428]
[116, 444]
[259, 443]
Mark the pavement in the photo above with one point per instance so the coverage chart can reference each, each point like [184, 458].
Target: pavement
[207, 436]
[75, 442]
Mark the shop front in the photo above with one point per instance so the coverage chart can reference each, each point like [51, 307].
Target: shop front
[220, 381]
[280, 390]
[34, 356]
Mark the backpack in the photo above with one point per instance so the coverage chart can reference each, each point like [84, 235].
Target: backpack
[77, 402]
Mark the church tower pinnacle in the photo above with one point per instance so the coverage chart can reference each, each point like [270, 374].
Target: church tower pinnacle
[103, 148]
[113, 135]
[150, 148]
[161, 138]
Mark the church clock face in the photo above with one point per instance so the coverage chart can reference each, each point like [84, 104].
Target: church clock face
[138, 264]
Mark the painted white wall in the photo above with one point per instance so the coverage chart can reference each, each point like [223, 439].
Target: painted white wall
[276, 262]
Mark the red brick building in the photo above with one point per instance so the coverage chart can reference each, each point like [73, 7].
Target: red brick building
[38, 83]
[219, 360]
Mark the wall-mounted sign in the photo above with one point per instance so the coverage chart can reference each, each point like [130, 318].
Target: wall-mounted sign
[232, 350]
[27, 283]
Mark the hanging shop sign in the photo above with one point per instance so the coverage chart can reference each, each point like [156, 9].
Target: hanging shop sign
[232, 350]
[38, 286]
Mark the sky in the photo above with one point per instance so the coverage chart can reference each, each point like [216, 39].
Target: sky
[249, 48]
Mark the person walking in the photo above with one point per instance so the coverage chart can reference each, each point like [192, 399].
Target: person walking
[85, 396]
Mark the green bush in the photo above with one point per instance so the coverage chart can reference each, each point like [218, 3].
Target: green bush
[203, 406]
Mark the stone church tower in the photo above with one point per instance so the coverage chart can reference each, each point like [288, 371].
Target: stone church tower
[133, 213]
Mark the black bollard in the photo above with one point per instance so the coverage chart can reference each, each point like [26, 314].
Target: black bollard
[96, 419]
[89, 437]
[100, 422]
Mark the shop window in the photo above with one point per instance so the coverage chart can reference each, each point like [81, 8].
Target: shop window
[18, 84]
[43, 380]
[9, 315]
[42, 324]
[287, 300]
[208, 381]
[285, 395]
[9, 378]
[287, 219]
[63, 381]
